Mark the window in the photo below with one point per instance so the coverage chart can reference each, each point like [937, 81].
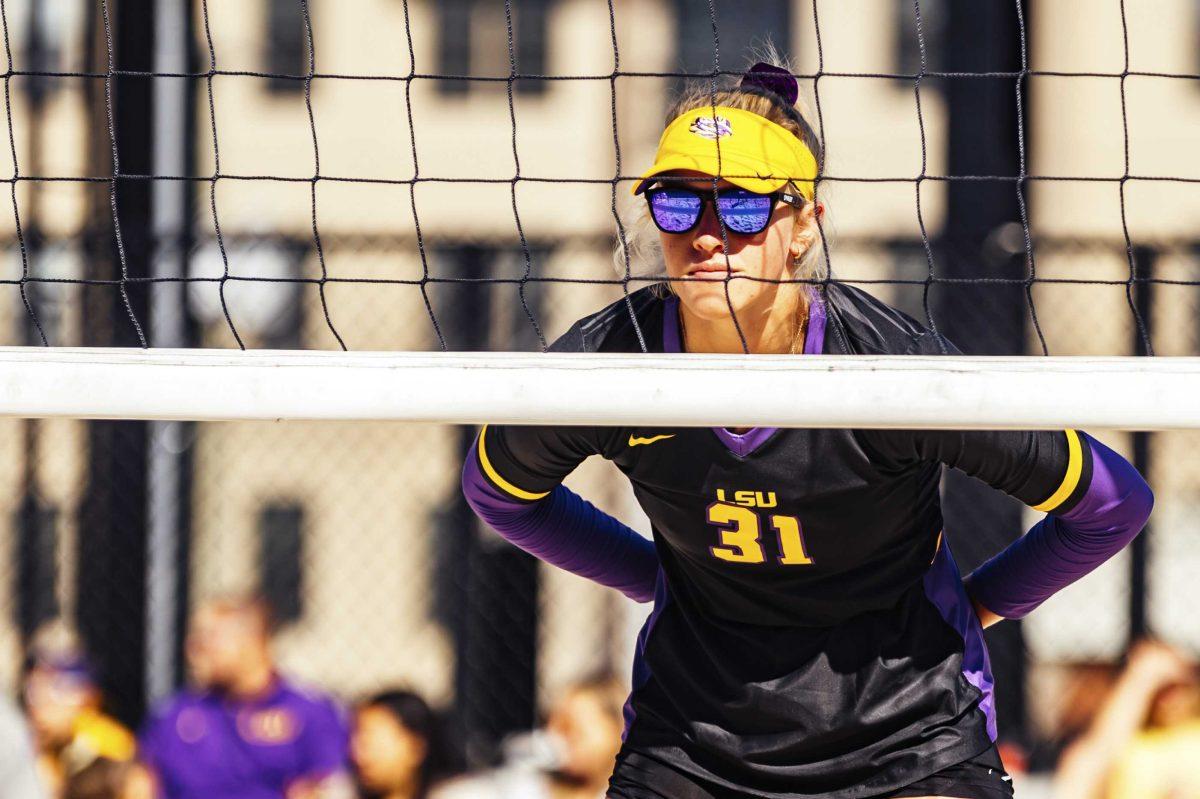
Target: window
[910, 268]
[529, 43]
[37, 563]
[933, 23]
[284, 328]
[454, 44]
[281, 560]
[478, 316]
[287, 45]
[473, 40]
[739, 32]
[51, 301]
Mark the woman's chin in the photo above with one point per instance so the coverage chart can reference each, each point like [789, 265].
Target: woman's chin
[709, 300]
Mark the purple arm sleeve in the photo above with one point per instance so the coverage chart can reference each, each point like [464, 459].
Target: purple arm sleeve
[1059, 550]
[567, 531]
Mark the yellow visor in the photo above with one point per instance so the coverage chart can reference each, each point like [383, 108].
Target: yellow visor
[754, 153]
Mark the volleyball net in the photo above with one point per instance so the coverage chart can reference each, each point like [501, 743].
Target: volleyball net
[220, 200]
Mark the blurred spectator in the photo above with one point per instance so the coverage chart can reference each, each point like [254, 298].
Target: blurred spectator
[1145, 742]
[397, 747]
[1077, 700]
[71, 733]
[571, 759]
[18, 778]
[244, 731]
[102, 779]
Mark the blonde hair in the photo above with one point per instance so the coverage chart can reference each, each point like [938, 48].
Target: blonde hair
[640, 247]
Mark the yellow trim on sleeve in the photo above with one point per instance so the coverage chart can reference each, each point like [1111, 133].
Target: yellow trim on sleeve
[495, 476]
[1071, 480]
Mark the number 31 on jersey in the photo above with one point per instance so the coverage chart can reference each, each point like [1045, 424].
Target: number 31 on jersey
[740, 529]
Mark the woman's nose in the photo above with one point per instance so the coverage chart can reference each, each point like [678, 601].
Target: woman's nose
[707, 236]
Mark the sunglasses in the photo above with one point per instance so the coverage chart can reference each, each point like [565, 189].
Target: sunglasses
[678, 210]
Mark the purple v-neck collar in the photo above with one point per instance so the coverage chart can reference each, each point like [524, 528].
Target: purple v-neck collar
[744, 444]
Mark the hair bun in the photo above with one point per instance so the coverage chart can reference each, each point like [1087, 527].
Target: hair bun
[773, 79]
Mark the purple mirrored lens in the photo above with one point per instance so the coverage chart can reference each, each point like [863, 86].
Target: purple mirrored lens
[673, 211]
[745, 212]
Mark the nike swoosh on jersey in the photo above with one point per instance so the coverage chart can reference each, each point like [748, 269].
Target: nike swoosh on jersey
[635, 441]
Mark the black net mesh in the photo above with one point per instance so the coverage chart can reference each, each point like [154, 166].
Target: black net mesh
[710, 29]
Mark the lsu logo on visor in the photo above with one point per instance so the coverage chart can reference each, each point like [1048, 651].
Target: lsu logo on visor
[711, 127]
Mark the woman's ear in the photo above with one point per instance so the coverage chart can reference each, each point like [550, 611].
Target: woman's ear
[806, 230]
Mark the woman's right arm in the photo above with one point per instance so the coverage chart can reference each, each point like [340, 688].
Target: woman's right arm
[512, 480]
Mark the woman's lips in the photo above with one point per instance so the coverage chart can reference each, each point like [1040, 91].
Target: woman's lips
[710, 272]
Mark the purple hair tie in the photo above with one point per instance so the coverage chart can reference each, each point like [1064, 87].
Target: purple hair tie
[773, 79]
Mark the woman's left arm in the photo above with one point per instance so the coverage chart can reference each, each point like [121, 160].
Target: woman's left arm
[1064, 546]
[1095, 501]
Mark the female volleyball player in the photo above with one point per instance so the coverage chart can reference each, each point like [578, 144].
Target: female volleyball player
[811, 635]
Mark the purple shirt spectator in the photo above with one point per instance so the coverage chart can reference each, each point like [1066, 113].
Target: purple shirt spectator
[203, 744]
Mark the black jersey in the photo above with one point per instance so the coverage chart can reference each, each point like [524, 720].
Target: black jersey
[810, 636]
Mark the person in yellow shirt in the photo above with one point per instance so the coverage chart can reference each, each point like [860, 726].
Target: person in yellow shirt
[1160, 763]
[1145, 742]
[71, 732]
